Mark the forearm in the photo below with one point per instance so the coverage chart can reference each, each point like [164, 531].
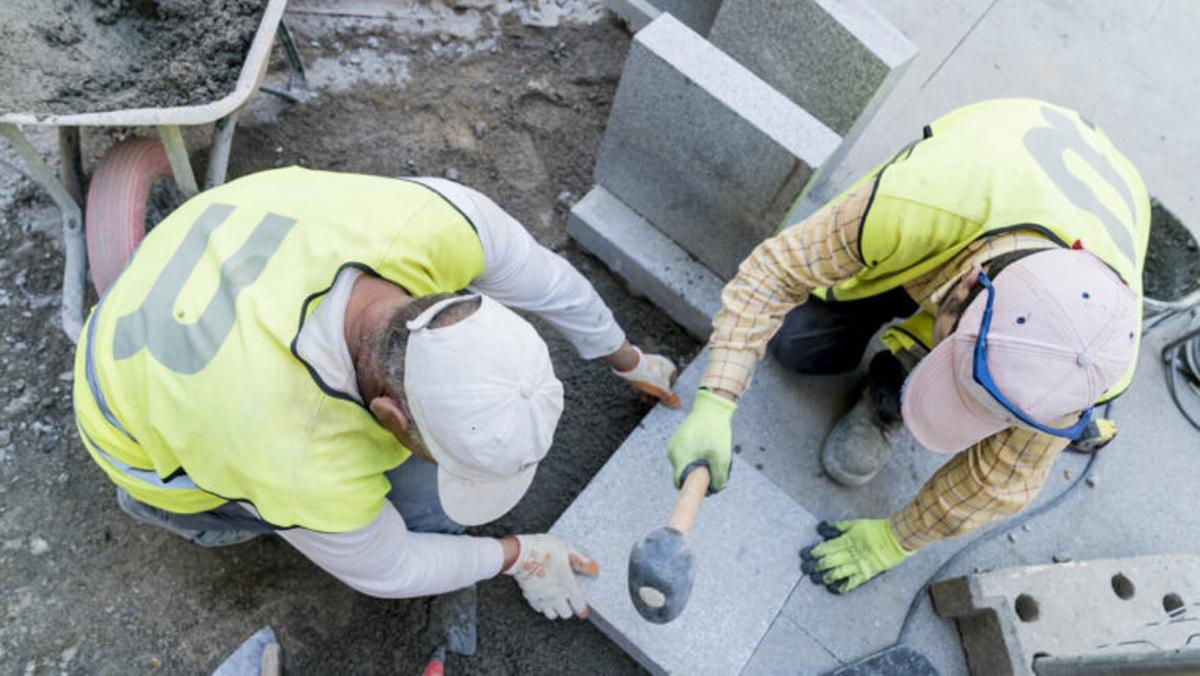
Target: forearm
[551, 288]
[779, 274]
[992, 480]
[385, 560]
[522, 274]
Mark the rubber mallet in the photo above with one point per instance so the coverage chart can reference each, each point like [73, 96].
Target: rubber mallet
[660, 565]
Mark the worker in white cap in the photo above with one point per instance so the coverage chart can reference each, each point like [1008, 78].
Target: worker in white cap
[1012, 236]
[329, 357]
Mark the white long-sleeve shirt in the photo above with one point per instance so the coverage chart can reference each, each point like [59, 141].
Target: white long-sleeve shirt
[384, 558]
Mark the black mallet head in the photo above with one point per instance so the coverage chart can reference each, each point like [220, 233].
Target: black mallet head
[660, 575]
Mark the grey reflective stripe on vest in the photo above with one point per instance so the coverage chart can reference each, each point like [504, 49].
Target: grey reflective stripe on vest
[146, 476]
[93, 381]
[1048, 145]
[188, 346]
[184, 348]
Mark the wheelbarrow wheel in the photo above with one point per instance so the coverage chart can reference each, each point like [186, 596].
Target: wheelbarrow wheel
[116, 205]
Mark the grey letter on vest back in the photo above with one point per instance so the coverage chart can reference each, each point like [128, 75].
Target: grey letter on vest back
[188, 348]
[1048, 145]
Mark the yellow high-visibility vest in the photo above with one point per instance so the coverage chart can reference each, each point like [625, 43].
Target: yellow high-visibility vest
[995, 166]
[188, 389]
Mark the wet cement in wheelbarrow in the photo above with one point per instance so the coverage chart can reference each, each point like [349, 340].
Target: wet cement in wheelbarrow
[88, 56]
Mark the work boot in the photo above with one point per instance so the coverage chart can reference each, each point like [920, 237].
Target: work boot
[140, 511]
[861, 442]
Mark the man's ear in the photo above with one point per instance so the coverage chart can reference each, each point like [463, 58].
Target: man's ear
[390, 414]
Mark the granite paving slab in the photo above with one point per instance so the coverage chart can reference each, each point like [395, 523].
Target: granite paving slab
[746, 542]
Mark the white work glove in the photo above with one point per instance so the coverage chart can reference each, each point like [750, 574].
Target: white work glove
[545, 569]
[654, 375]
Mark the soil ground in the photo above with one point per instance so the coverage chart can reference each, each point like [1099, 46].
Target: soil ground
[88, 56]
[516, 111]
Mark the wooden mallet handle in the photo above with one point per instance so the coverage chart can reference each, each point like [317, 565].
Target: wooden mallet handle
[687, 505]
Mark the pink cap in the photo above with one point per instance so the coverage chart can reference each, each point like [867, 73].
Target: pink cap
[1064, 331]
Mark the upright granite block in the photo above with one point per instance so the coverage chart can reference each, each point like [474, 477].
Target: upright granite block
[745, 541]
[703, 148]
[696, 14]
[837, 59]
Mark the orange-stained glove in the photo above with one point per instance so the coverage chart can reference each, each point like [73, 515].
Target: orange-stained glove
[654, 375]
[545, 570]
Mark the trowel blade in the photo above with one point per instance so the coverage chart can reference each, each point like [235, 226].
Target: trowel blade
[247, 659]
[452, 619]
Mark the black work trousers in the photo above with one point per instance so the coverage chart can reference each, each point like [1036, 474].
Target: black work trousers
[829, 337]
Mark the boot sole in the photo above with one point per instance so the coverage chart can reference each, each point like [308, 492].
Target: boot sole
[841, 476]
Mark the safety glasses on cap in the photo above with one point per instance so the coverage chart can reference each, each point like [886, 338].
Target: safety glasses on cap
[984, 377]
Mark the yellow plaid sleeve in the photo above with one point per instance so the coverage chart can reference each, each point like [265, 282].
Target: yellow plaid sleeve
[989, 481]
[778, 275]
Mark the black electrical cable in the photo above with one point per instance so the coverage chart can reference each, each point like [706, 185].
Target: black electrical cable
[1182, 357]
[1008, 527]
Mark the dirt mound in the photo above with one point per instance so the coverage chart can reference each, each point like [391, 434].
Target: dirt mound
[1172, 261]
[92, 56]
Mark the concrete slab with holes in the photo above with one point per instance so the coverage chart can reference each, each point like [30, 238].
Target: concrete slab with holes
[1011, 618]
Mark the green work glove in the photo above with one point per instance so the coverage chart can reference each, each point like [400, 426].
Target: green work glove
[853, 552]
[704, 438]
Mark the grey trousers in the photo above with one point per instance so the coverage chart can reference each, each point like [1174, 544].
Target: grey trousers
[413, 493]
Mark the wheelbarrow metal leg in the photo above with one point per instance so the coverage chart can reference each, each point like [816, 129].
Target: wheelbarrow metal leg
[218, 157]
[282, 93]
[181, 166]
[75, 266]
[70, 170]
[284, 36]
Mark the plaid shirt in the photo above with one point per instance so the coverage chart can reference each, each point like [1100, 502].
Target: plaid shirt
[988, 481]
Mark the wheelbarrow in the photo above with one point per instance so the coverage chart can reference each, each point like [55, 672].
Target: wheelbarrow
[131, 167]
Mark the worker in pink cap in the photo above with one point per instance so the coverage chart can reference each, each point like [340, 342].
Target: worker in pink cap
[1010, 239]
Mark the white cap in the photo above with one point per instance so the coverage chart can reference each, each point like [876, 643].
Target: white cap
[483, 395]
